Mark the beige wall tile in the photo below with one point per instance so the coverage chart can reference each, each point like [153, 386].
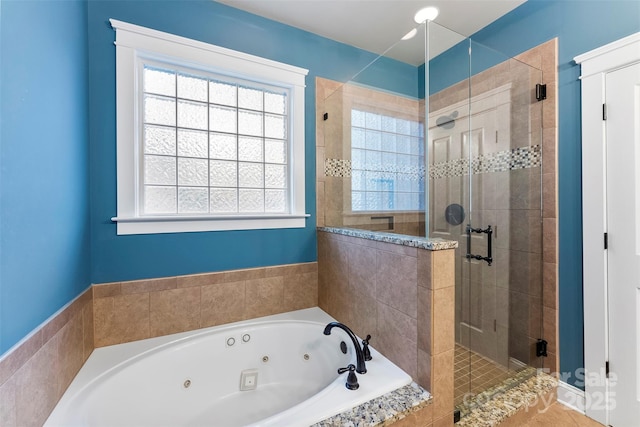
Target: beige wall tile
[446, 421]
[150, 285]
[174, 310]
[70, 352]
[549, 195]
[87, 330]
[549, 244]
[442, 384]
[397, 338]
[362, 269]
[443, 268]
[425, 362]
[443, 315]
[54, 325]
[396, 279]
[121, 319]
[200, 279]
[18, 357]
[425, 319]
[300, 291]
[549, 328]
[106, 290]
[222, 303]
[246, 274]
[8, 404]
[364, 316]
[396, 249]
[264, 297]
[37, 386]
[549, 285]
[424, 268]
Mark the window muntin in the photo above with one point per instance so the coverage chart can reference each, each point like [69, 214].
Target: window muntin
[211, 144]
[387, 163]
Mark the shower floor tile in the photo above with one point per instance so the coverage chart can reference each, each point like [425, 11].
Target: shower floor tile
[474, 373]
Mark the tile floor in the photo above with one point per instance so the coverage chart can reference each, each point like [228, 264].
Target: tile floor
[475, 373]
[558, 415]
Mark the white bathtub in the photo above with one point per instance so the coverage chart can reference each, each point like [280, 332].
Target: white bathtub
[193, 378]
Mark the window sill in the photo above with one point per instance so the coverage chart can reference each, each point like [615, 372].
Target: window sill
[185, 224]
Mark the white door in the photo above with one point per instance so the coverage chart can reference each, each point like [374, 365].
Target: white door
[622, 93]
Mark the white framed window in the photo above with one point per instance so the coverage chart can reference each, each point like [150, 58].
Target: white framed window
[207, 138]
[387, 163]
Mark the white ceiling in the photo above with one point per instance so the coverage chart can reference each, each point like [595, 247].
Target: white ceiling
[376, 25]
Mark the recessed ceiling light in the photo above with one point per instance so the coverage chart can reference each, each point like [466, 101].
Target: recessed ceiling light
[411, 34]
[427, 14]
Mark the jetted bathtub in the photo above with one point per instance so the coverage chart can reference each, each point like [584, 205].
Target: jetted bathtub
[278, 370]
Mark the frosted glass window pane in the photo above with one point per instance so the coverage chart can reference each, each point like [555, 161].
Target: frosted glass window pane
[358, 138]
[404, 162]
[373, 201]
[275, 102]
[415, 129]
[275, 176]
[161, 82]
[250, 98]
[386, 200]
[414, 145]
[159, 170]
[404, 201]
[159, 200]
[223, 93]
[357, 201]
[250, 200]
[191, 87]
[373, 121]
[403, 127]
[357, 180]
[374, 160]
[193, 200]
[388, 142]
[250, 175]
[224, 200]
[223, 146]
[357, 159]
[403, 144]
[250, 149]
[403, 183]
[374, 140]
[275, 151]
[275, 201]
[249, 123]
[223, 174]
[389, 160]
[372, 182]
[193, 172]
[192, 115]
[159, 140]
[222, 119]
[388, 124]
[275, 126]
[357, 118]
[159, 110]
[192, 143]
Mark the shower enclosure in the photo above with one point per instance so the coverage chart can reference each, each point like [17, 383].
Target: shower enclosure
[462, 163]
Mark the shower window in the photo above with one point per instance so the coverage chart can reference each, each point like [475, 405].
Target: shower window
[208, 138]
[387, 158]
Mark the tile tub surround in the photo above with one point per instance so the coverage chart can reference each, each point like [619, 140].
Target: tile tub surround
[134, 310]
[36, 372]
[401, 294]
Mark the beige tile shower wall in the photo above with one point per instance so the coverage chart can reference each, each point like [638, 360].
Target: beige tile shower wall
[403, 297]
[35, 374]
[129, 311]
[333, 141]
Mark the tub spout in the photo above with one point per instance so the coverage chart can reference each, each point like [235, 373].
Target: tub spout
[360, 366]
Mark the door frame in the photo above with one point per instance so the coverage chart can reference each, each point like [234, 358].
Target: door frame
[595, 64]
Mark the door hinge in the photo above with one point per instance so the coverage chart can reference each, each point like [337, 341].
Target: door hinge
[606, 368]
[541, 92]
[604, 111]
[456, 415]
[606, 240]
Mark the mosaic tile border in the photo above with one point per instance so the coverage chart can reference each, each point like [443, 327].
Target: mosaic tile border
[501, 161]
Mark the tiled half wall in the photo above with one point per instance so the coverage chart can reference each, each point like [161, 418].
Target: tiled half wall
[35, 373]
[404, 297]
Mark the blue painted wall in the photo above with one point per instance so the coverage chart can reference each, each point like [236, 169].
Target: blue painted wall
[580, 26]
[117, 258]
[44, 210]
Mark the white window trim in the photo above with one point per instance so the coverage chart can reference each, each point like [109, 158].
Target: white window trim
[132, 43]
